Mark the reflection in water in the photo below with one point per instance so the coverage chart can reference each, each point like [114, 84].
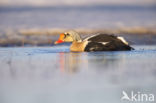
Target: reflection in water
[61, 61]
[72, 62]
[75, 62]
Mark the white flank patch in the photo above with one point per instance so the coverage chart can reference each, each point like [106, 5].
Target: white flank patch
[123, 40]
[104, 43]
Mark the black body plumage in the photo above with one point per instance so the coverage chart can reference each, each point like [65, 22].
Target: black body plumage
[105, 42]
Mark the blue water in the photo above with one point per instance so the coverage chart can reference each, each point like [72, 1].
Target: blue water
[56, 75]
[12, 18]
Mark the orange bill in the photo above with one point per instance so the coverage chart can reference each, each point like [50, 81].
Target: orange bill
[60, 40]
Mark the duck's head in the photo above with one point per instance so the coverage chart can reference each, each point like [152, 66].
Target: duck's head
[69, 36]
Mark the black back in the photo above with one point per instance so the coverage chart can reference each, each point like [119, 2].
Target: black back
[103, 38]
[114, 44]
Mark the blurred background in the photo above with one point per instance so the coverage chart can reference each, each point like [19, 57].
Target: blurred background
[30, 73]
[20, 19]
[74, 3]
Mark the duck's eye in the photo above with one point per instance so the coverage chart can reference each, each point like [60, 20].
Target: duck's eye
[67, 34]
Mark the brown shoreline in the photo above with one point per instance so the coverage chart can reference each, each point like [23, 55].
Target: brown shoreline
[41, 37]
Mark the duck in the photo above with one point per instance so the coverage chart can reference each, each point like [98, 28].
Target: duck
[97, 42]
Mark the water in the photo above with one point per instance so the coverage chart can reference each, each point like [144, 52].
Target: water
[55, 75]
[77, 17]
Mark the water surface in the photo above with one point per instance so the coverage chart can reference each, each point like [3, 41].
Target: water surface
[55, 75]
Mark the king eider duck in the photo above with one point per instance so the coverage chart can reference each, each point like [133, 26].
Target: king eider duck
[100, 42]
